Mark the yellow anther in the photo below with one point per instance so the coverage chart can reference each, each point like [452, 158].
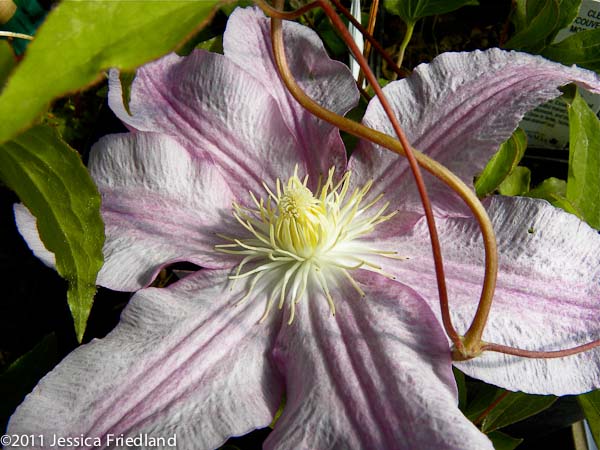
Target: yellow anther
[298, 241]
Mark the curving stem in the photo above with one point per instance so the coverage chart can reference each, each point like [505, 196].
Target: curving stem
[471, 345]
[400, 147]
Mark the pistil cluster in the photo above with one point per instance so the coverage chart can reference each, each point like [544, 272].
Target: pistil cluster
[297, 241]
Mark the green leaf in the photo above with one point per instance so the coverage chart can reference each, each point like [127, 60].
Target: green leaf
[482, 395]
[554, 191]
[53, 183]
[126, 78]
[80, 39]
[582, 48]
[212, 33]
[550, 189]
[7, 62]
[213, 45]
[565, 204]
[412, 10]
[333, 42]
[590, 403]
[502, 163]
[517, 183]
[356, 114]
[229, 7]
[515, 407]
[462, 388]
[519, 15]
[22, 375]
[568, 12]
[503, 441]
[583, 182]
[538, 22]
[512, 406]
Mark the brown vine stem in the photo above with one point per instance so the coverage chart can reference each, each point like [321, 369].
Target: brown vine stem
[370, 29]
[399, 71]
[414, 167]
[471, 345]
[429, 164]
[371, 25]
[489, 347]
[292, 15]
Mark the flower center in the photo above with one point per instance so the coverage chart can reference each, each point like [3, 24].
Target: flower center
[296, 242]
[298, 225]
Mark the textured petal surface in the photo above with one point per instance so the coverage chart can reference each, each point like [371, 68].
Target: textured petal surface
[458, 109]
[159, 205]
[548, 294]
[27, 225]
[247, 42]
[375, 376]
[183, 360]
[237, 114]
[217, 113]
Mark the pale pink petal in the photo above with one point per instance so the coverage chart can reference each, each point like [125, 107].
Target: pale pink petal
[548, 294]
[376, 376]
[27, 225]
[159, 205]
[246, 125]
[218, 113]
[247, 42]
[183, 361]
[458, 109]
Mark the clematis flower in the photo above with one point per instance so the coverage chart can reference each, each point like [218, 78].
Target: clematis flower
[317, 278]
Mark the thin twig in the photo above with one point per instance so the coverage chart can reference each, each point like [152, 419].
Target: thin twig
[370, 30]
[10, 34]
[272, 12]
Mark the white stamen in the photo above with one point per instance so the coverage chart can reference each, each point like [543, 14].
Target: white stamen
[304, 241]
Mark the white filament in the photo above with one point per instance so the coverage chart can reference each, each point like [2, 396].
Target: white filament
[296, 241]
